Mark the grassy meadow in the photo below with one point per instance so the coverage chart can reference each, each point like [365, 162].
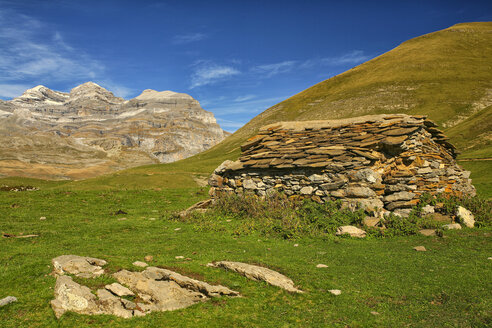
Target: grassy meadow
[384, 282]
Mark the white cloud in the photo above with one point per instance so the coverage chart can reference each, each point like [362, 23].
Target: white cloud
[117, 90]
[350, 58]
[244, 98]
[13, 90]
[188, 38]
[246, 107]
[270, 70]
[208, 73]
[33, 53]
[229, 125]
[353, 57]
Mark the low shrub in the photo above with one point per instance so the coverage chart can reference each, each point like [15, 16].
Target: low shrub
[282, 217]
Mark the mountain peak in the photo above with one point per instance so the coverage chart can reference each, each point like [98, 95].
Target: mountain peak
[93, 91]
[87, 86]
[150, 94]
[40, 93]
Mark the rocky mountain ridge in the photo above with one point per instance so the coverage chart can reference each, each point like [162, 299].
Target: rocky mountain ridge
[89, 131]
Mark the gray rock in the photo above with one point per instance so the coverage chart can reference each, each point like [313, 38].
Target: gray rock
[317, 178]
[81, 266]
[119, 290]
[164, 295]
[452, 226]
[402, 212]
[335, 292]
[7, 300]
[255, 272]
[249, 184]
[308, 190]
[399, 196]
[362, 192]
[428, 209]
[338, 193]
[188, 283]
[424, 170]
[70, 296]
[222, 167]
[351, 230]
[160, 290]
[110, 304]
[367, 175]
[332, 186]
[465, 216]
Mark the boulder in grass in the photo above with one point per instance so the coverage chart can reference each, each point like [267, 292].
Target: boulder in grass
[352, 231]
[452, 226]
[465, 216]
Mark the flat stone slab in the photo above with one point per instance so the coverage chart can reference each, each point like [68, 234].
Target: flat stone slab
[119, 290]
[351, 230]
[81, 266]
[258, 273]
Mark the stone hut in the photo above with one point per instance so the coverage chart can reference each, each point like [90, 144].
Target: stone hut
[379, 162]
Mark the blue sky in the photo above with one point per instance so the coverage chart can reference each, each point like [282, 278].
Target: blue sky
[236, 57]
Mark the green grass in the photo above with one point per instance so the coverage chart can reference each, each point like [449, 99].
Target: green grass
[445, 286]
[481, 176]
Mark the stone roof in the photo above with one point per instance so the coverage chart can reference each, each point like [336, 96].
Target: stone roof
[319, 144]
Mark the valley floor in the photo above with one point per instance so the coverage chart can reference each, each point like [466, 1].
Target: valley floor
[384, 282]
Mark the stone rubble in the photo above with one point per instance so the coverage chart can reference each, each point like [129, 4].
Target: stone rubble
[380, 162]
[258, 273]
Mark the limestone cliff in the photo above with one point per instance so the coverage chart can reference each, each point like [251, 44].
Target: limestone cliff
[89, 131]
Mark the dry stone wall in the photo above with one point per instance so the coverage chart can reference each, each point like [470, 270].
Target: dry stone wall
[380, 162]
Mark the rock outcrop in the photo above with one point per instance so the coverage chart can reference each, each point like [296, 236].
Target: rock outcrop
[258, 273]
[89, 131]
[380, 162]
[81, 266]
[153, 289]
